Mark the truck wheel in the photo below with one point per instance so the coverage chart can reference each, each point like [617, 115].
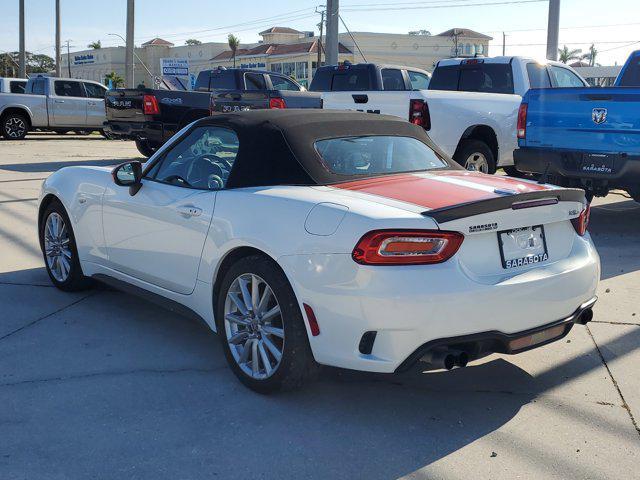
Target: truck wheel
[14, 126]
[475, 155]
[145, 148]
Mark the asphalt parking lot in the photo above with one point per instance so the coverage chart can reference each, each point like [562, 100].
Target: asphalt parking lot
[102, 384]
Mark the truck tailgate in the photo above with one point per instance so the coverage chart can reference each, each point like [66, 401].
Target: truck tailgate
[604, 120]
[125, 105]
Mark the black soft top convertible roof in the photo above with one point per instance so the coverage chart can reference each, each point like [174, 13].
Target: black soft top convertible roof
[277, 146]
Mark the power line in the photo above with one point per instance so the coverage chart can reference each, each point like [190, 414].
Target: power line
[408, 7]
[353, 39]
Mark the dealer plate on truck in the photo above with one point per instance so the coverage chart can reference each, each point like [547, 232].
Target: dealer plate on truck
[598, 163]
[520, 247]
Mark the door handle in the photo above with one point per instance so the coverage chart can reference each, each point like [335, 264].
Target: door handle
[59, 101]
[189, 211]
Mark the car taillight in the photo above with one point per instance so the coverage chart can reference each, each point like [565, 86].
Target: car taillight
[581, 222]
[277, 102]
[150, 105]
[406, 247]
[522, 120]
[419, 113]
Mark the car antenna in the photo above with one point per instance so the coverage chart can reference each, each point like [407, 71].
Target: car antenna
[543, 178]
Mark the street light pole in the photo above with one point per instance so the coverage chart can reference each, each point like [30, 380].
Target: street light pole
[553, 29]
[129, 46]
[22, 60]
[58, 55]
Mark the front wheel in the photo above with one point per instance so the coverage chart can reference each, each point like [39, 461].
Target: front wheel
[475, 155]
[58, 246]
[14, 126]
[146, 148]
[261, 327]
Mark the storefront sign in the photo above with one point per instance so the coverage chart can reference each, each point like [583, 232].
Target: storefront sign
[84, 59]
[178, 67]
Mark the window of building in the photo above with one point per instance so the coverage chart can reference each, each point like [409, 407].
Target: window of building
[301, 70]
[276, 67]
[289, 69]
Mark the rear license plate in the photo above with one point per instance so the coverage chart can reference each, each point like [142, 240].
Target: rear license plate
[520, 247]
[598, 163]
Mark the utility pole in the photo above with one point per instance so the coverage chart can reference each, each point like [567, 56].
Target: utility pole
[129, 47]
[553, 29]
[69, 58]
[333, 14]
[58, 54]
[504, 44]
[22, 59]
[320, 26]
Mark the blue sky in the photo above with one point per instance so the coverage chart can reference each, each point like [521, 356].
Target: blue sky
[582, 21]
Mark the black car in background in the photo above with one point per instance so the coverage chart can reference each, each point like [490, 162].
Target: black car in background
[152, 116]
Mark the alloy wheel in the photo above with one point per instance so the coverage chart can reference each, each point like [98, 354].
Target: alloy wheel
[15, 127]
[57, 247]
[477, 162]
[254, 326]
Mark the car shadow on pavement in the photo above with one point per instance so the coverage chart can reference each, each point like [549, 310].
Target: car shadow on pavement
[53, 166]
[614, 228]
[123, 386]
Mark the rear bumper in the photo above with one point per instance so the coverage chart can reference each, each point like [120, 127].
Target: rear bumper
[152, 131]
[479, 345]
[567, 164]
[409, 307]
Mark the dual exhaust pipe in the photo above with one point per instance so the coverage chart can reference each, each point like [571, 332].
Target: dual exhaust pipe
[445, 358]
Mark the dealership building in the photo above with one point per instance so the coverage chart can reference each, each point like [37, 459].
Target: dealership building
[281, 49]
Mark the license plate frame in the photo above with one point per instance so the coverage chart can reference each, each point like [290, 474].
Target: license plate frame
[598, 163]
[512, 263]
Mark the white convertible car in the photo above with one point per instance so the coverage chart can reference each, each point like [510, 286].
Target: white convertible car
[335, 238]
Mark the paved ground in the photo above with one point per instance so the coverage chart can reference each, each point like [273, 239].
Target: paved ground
[104, 385]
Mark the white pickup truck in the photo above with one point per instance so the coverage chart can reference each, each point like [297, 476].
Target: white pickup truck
[469, 106]
[54, 104]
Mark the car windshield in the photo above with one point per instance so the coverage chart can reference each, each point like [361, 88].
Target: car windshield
[377, 155]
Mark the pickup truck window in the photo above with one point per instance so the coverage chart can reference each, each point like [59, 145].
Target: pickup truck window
[16, 86]
[538, 75]
[283, 83]
[94, 91]
[254, 81]
[419, 81]
[37, 87]
[66, 88]
[376, 155]
[631, 76]
[481, 77]
[221, 80]
[392, 79]
[350, 80]
[565, 78]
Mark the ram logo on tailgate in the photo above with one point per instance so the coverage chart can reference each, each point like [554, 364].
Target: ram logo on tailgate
[121, 103]
[599, 115]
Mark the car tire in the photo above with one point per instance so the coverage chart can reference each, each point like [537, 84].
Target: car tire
[15, 126]
[63, 264]
[475, 155]
[296, 363]
[145, 148]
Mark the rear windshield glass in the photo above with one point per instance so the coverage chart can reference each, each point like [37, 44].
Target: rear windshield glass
[351, 80]
[216, 80]
[631, 76]
[482, 77]
[377, 155]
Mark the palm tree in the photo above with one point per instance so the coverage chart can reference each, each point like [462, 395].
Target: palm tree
[591, 56]
[234, 43]
[95, 45]
[116, 80]
[565, 55]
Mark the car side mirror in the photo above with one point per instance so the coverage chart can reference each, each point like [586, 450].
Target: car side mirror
[128, 175]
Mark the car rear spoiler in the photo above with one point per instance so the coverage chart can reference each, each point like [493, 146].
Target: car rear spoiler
[514, 202]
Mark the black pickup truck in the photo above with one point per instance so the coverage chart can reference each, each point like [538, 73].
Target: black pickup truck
[151, 117]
